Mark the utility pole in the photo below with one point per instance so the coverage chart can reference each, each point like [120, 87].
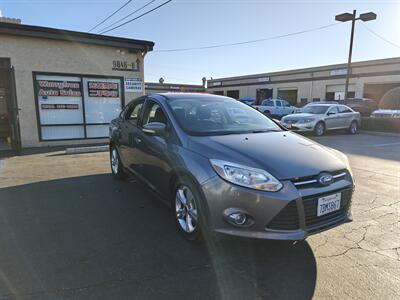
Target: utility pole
[352, 17]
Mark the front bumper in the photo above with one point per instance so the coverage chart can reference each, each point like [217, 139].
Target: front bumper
[284, 215]
[300, 127]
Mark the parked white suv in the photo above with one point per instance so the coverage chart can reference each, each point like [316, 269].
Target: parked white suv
[275, 107]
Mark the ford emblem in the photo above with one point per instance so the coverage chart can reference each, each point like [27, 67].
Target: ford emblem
[325, 179]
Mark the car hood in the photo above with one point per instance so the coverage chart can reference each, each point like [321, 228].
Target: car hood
[284, 154]
[299, 116]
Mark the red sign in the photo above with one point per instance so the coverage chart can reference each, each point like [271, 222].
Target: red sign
[103, 89]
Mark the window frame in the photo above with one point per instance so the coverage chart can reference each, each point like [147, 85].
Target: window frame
[129, 111]
[84, 124]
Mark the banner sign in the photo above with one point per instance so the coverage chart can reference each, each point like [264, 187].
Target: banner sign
[133, 85]
[59, 88]
[103, 89]
[59, 106]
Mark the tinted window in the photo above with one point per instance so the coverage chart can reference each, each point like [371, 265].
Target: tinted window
[134, 109]
[333, 109]
[153, 113]
[344, 109]
[278, 103]
[213, 116]
[315, 109]
[268, 103]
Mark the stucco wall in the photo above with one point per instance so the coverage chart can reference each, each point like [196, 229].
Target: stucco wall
[44, 55]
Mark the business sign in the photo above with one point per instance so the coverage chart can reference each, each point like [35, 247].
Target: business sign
[133, 85]
[338, 72]
[57, 88]
[263, 79]
[59, 106]
[103, 89]
[217, 83]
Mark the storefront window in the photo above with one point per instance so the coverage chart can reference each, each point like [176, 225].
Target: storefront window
[76, 107]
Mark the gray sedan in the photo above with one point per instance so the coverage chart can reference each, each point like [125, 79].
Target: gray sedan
[320, 117]
[225, 168]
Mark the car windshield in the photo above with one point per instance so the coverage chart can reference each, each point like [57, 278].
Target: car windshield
[315, 109]
[217, 116]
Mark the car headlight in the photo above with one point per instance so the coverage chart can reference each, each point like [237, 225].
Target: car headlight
[304, 121]
[246, 176]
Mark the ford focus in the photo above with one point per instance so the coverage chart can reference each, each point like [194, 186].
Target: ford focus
[225, 168]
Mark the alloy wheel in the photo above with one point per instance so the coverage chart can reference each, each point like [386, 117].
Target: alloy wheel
[185, 208]
[320, 129]
[353, 128]
[114, 161]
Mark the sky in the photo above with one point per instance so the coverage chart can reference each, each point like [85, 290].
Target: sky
[197, 23]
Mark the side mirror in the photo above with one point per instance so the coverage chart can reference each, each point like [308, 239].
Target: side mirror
[154, 128]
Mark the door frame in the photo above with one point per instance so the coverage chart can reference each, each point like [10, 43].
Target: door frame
[12, 104]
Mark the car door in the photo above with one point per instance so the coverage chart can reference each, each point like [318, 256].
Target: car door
[287, 108]
[154, 150]
[331, 117]
[279, 109]
[345, 116]
[129, 133]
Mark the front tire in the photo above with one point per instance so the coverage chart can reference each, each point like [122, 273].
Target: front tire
[353, 129]
[319, 129]
[116, 165]
[186, 208]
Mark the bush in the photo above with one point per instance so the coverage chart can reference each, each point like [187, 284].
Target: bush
[381, 124]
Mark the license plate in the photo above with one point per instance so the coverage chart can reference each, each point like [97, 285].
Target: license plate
[328, 204]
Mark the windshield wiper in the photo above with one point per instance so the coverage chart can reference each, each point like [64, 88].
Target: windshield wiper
[264, 130]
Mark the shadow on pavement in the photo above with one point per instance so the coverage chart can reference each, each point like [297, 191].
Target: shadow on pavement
[95, 238]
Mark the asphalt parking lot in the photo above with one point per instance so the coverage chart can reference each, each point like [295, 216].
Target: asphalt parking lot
[69, 231]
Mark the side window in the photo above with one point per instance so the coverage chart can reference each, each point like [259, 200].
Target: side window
[133, 112]
[344, 109]
[154, 113]
[333, 110]
[268, 103]
[278, 103]
[285, 103]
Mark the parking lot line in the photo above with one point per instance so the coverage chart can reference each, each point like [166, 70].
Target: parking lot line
[388, 144]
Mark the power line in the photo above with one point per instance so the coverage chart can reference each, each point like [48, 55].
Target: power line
[94, 27]
[127, 16]
[131, 20]
[247, 42]
[381, 37]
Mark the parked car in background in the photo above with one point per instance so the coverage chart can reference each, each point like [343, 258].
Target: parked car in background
[386, 113]
[247, 100]
[320, 117]
[275, 107]
[228, 169]
[364, 106]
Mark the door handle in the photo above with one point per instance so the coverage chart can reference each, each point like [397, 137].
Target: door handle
[137, 140]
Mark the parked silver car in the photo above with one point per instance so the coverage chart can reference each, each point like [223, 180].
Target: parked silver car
[320, 117]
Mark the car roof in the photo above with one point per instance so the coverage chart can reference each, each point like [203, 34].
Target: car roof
[200, 96]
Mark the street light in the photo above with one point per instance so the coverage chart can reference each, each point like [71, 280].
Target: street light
[369, 16]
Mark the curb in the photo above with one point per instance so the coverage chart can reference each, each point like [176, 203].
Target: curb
[393, 134]
[87, 149]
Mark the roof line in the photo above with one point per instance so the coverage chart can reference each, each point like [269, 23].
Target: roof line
[74, 36]
[302, 70]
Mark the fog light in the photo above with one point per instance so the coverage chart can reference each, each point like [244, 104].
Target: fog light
[238, 218]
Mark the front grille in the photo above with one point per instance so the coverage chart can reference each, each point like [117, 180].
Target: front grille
[286, 219]
[310, 208]
[312, 181]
